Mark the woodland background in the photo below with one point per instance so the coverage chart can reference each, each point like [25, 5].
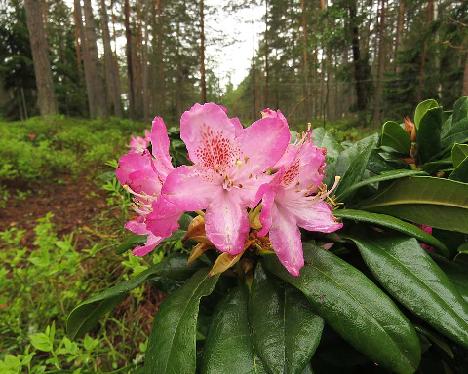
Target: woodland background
[315, 60]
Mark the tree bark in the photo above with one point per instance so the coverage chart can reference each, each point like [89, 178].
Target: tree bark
[380, 65]
[129, 52]
[98, 107]
[399, 32]
[46, 98]
[266, 55]
[202, 51]
[110, 65]
[158, 85]
[422, 63]
[305, 61]
[359, 64]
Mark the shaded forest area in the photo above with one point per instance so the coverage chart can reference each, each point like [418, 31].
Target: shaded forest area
[315, 60]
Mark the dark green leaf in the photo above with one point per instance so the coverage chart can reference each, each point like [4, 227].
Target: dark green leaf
[285, 330]
[229, 346]
[391, 223]
[130, 242]
[407, 272]
[460, 173]
[355, 308]
[457, 273]
[436, 202]
[428, 134]
[459, 154]
[385, 176]
[395, 137]
[456, 127]
[323, 138]
[86, 315]
[172, 343]
[422, 108]
[352, 163]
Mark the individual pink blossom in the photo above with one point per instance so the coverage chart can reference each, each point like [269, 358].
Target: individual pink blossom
[143, 174]
[428, 230]
[293, 199]
[138, 144]
[229, 165]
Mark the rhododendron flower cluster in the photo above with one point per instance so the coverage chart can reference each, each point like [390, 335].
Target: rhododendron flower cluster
[235, 171]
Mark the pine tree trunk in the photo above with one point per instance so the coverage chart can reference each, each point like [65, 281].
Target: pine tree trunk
[158, 83]
[137, 63]
[422, 63]
[46, 99]
[305, 61]
[399, 32]
[465, 75]
[360, 71]
[99, 107]
[266, 56]
[376, 115]
[129, 52]
[111, 73]
[202, 51]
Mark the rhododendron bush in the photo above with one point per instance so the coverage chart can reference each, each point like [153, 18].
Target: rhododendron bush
[287, 251]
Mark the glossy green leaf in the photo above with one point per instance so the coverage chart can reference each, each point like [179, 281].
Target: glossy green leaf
[352, 163]
[410, 275]
[459, 154]
[455, 129]
[86, 315]
[285, 330]
[435, 202]
[130, 242]
[354, 307]
[460, 173]
[391, 223]
[229, 346]
[385, 176]
[422, 108]
[323, 138]
[395, 137]
[457, 273]
[428, 134]
[172, 343]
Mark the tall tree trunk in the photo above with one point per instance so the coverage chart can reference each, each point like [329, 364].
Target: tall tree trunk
[465, 75]
[157, 81]
[422, 63]
[399, 32]
[266, 55]
[46, 99]
[99, 107]
[305, 61]
[202, 51]
[78, 33]
[110, 66]
[360, 68]
[129, 52]
[137, 62]
[380, 65]
[145, 66]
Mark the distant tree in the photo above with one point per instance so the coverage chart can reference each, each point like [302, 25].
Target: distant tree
[46, 98]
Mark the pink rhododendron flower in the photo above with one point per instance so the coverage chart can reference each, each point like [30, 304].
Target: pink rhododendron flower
[138, 144]
[229, 165]
[428, 230]
[143, 174]
[293, 199]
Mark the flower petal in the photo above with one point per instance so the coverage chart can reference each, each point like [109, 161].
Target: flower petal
[285, 238]
[136, 170]
[209, 136]
[188, 190]
[264, 142]
[160, 147]
[164, 218]
[138, 227]
[227, 223]
[316, 216]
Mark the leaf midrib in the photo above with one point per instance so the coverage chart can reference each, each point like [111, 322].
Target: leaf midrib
[365, 310]
[419, 281]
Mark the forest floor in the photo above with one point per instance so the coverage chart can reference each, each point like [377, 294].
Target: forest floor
[74, 202]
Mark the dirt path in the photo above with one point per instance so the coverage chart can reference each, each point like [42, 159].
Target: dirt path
[74, 203]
